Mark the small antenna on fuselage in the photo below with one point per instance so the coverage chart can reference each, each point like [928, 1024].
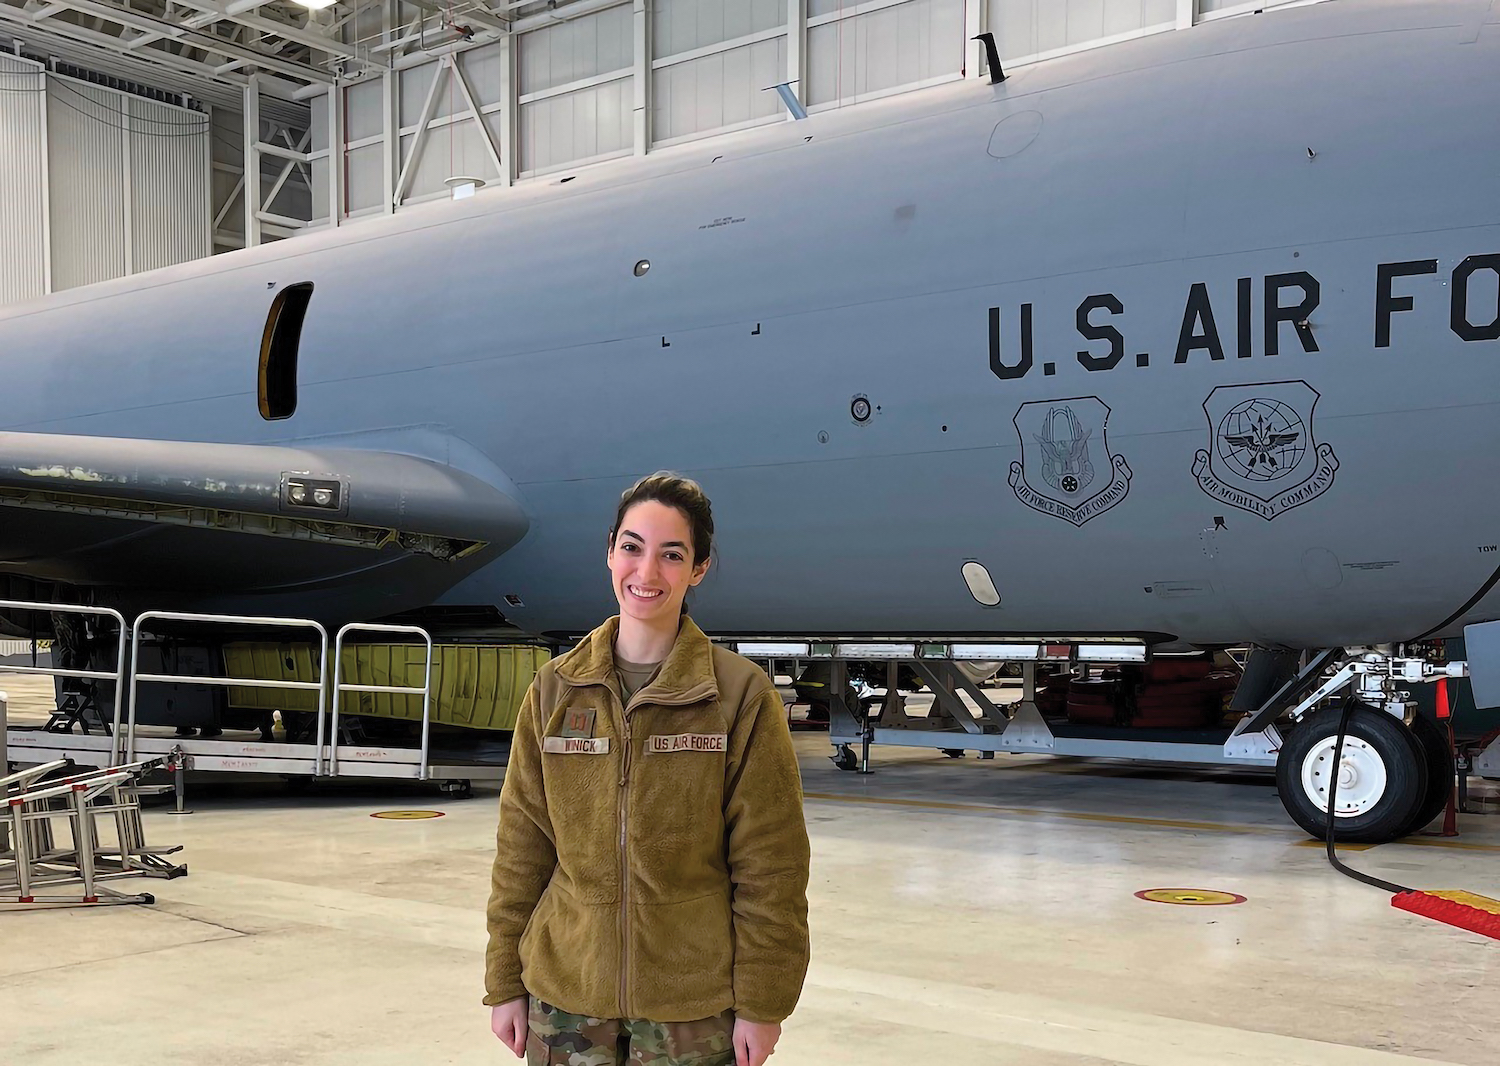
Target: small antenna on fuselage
[992, 55]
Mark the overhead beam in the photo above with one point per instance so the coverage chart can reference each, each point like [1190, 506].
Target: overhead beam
[215, 12]
[238, 7]
[473, 16]
[208, 42]
[150, 64]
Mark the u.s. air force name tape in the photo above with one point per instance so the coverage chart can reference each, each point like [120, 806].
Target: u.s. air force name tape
[576, 745]
[687, 742]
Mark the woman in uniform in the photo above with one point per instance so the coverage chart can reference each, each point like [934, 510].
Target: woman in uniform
[649, 894]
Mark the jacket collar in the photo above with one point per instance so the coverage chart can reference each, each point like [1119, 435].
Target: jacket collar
[687, 675]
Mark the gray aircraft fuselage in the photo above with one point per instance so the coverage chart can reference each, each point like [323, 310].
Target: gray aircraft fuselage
[1194, 336]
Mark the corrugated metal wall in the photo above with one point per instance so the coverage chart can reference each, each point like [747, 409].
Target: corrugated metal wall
[86, 167]
[23, 267]
[97, 183]
[169, 185]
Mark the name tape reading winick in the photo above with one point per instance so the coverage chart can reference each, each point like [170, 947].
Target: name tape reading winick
[687, 742]
[576, 745]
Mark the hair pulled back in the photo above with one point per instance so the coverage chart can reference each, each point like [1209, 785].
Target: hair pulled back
[682, 493]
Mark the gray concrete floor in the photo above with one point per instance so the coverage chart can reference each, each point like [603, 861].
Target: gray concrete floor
[962, 912]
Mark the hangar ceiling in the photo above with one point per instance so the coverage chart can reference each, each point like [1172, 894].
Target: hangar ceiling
[208, 48]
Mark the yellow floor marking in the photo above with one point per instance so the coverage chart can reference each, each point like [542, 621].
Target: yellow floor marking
[1119, 819]
[1321, 846]
[1191, 897]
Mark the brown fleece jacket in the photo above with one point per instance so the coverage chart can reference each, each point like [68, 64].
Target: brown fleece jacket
[652, 859]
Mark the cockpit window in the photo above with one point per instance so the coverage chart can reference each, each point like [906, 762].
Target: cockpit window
[278, 351]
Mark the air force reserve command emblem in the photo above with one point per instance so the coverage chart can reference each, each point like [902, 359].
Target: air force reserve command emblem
[1066, 469]
[1261, 454]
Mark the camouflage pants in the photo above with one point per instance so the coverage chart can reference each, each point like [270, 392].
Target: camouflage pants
[558, 1038]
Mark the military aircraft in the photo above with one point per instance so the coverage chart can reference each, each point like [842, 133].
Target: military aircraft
[1193, 339]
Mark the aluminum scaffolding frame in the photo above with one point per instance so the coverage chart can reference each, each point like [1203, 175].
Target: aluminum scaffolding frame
[32, 857]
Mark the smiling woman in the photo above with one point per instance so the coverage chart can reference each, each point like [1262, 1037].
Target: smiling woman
[649, 891]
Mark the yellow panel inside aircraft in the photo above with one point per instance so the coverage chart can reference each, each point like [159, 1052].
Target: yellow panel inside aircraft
[477, 686]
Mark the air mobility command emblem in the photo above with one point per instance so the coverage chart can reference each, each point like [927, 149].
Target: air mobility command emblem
[1262, 456]
[1066, 469]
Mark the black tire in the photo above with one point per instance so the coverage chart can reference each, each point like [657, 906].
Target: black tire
[845, 759]
[1433, 739]
[1400, 754]
[954, 753]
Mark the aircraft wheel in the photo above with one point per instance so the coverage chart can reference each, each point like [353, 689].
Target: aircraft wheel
[1382, 778]
[1433, 739]
[954, 753]
[844, 758]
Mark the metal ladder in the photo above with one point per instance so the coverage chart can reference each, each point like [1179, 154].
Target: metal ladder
[32, 855]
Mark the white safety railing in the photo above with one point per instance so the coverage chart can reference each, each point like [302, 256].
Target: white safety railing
[339, 687]
[253, 682]
[93, 675]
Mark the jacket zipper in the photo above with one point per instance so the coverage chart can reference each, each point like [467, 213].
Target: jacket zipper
[624, 809]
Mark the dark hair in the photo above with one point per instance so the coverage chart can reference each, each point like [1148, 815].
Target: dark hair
[682, 493]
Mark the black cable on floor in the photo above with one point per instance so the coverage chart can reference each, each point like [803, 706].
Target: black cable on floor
[1333, 786]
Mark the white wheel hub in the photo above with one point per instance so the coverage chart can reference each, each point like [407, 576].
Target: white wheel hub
[1361, 776]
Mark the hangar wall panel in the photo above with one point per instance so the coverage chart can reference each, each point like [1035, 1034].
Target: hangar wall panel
[86, 164]
[165, 154]
[228, 145]
[719, 91]
[860, 57]
[576, 50]
[364, 173]
[1027, 28]
[362, 102]
[587, 124]
[679, 26]
[23, 236]
[1225, 7]
[576, 93]
[484, 70]
[453, 149]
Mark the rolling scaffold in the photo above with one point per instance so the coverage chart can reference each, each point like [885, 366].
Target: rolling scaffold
[334, 751]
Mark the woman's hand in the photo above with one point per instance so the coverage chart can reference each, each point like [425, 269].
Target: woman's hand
[508, 1022]
[754, 1042]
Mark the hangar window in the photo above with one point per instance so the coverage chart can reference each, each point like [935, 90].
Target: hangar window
[278, 351]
